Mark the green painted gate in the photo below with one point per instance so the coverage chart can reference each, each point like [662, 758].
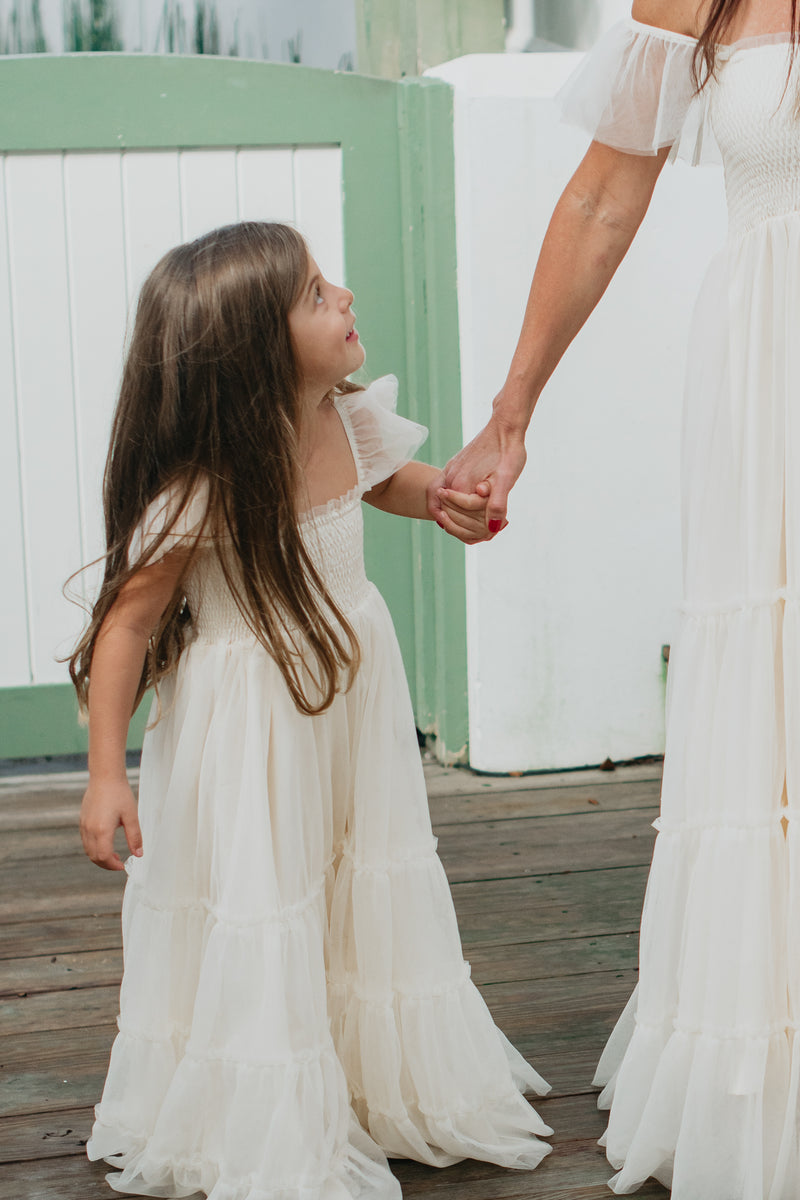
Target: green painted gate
[396, 141]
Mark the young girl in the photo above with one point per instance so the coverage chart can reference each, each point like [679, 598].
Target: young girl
[295, 1004]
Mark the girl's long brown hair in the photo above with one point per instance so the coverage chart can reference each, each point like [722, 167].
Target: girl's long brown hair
[210, 400]
[719, 19]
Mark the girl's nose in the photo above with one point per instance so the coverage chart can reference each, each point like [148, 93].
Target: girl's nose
[346, 297]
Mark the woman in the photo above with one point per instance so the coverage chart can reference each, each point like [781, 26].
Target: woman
[702, 1073]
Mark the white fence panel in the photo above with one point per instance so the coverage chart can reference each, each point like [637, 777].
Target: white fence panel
[152, 205]
[266, 185]
[568, 610]
[98, 306]
[208, 191]
[78, 234]
[318, 176]
[15, 660]
[43, 353]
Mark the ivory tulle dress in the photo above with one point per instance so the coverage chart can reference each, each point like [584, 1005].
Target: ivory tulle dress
[295, 1005]
[702, 1072]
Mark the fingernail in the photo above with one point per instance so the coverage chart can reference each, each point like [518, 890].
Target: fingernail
[494, 526]
[440, 523]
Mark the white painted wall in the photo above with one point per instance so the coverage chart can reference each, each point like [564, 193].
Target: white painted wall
[568, 610]
[78, 234]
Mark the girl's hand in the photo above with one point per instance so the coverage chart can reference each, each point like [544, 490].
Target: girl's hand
[105, 807]
[464, 514]
[492, 460]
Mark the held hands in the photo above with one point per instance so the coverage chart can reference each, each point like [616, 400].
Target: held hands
[484, 472]
[105, 807]
[464, 515]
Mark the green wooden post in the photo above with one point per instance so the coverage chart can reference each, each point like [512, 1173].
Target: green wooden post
[405, 37]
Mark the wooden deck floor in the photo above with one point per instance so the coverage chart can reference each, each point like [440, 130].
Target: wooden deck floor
[547, 873]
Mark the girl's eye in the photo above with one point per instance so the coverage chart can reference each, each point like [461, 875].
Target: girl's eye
[317, 295]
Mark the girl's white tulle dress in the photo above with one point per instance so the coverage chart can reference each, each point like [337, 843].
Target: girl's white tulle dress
[295, 1005]
[702, 1073]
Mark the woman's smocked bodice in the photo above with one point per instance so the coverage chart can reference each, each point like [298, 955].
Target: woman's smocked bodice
[636, 92]
[334, 538]
[753, 111]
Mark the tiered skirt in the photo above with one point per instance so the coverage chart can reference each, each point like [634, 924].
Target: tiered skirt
[295, 1005]
[702, 1071]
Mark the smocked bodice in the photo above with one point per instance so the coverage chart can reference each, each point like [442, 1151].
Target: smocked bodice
[754, 117]
[334, 539]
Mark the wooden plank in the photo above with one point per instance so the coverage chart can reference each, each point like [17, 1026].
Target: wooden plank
[40, 809]
[69, 887]
[544, 960]
[504, 911]
[64, 935]
[45, 1135]
[541, 802]
[75, 1009]
[55, 1179]
[461, 781]
[59, 807]
[48, 1071]
[497, 849]
[60, 972]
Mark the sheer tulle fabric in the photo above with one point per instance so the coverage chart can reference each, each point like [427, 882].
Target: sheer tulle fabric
[295, 1004]
[701, 1073]
[636, 92]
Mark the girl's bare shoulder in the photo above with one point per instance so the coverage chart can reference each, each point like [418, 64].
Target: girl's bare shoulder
[678, 16]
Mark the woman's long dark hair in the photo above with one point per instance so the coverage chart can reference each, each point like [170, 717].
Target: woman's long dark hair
[209, 405]
[721, 14]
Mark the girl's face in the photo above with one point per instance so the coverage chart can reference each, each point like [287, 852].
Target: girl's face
[323, 329]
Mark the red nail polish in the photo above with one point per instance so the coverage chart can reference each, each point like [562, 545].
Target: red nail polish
[494, 526]
[440, 523]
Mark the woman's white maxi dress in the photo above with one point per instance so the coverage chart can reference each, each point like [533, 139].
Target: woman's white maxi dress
[295, 1004]
[702, 1073]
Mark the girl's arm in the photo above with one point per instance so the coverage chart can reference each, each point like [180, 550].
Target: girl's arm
[116, 669]
[404, 494]
[591, 229]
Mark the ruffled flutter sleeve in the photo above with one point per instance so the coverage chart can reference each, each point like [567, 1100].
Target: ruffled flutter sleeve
[383, 441]
[635, 91]
[184, 523]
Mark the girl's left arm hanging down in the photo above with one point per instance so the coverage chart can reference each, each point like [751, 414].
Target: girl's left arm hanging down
[404, 494]
[116, 669]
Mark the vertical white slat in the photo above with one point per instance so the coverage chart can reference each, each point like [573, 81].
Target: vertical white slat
[40, 299]
[208, 190]
[151, 197]
[318, 206]
[96, 250]
[15, 659]
[266, 185]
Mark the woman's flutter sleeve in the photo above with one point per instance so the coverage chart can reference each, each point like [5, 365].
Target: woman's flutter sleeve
[384, 441]
[635, 91]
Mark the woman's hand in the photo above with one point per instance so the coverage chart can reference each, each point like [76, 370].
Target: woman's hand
[106, 807]
[488, 466]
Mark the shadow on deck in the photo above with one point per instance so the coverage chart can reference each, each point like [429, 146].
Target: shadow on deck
[548, 876]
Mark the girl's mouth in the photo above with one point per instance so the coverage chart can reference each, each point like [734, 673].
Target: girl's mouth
[352, 335]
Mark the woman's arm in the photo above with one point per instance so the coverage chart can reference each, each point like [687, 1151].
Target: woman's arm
[404, 494]
[116, 669]
[591, 229]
